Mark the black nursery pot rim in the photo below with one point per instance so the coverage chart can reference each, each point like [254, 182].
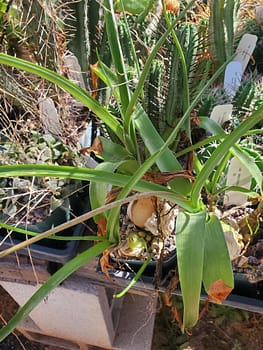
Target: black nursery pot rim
[131, 266]
[170, 258]
[48, 249]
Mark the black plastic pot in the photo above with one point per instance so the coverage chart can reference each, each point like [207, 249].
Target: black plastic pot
[245, 295]
[48, 249]
[244, 288]
[127, 268]
[133, 265]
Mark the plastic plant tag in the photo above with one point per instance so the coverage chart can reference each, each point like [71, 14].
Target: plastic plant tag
[221, 113]
[232, 79]
[259, 14]
[245, 49]
[238, 175]
[49, 116]
[74, 70]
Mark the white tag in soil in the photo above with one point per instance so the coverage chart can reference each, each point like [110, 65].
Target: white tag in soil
[232, 79]
[237, 175]
[221, 113]
[245, 49]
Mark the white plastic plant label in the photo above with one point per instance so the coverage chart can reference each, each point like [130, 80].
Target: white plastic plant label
[221, 113]
[232, 79]
[245, 49]
[237, 175]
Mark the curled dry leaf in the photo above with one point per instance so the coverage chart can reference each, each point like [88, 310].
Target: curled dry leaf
[165, 177]
[162, 221]
[157, 245]
[96, 147]
[249, 223]
[112, 194]
[94, 79]
[218, 291]
[105, 264]
[102, 224]
[233, 240]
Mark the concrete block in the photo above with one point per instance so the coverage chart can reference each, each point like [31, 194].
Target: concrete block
[74, 311]
[136, 323]
[80, 315]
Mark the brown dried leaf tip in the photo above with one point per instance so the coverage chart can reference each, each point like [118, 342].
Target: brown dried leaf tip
[218, 291]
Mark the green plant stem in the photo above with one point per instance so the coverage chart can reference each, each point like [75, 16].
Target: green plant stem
[85, 174]
[75, 173]
[213, 184]
[181, 122]
[133, 50]
[248, 192]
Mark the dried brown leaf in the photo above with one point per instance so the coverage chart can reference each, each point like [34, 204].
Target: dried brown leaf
[94, 79]
[96, 147]
[218, 291]
[163, 178]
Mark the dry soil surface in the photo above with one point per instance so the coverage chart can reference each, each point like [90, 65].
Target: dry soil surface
[221, 328]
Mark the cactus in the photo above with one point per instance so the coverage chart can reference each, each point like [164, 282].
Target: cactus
[154, 94]
[222, 24]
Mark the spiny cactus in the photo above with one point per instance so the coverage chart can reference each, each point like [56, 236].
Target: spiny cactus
[222, 25]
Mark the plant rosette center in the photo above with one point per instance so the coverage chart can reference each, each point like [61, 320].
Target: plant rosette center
[147, 229]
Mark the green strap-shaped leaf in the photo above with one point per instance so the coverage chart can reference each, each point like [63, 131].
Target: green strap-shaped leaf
[87, 174]
[250, 164]
[67, 85]
[117, 56]
[190, 240]
[98, 191]
[217, 274]
[111, 151]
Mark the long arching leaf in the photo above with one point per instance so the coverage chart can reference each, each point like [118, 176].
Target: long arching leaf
[67, 85]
